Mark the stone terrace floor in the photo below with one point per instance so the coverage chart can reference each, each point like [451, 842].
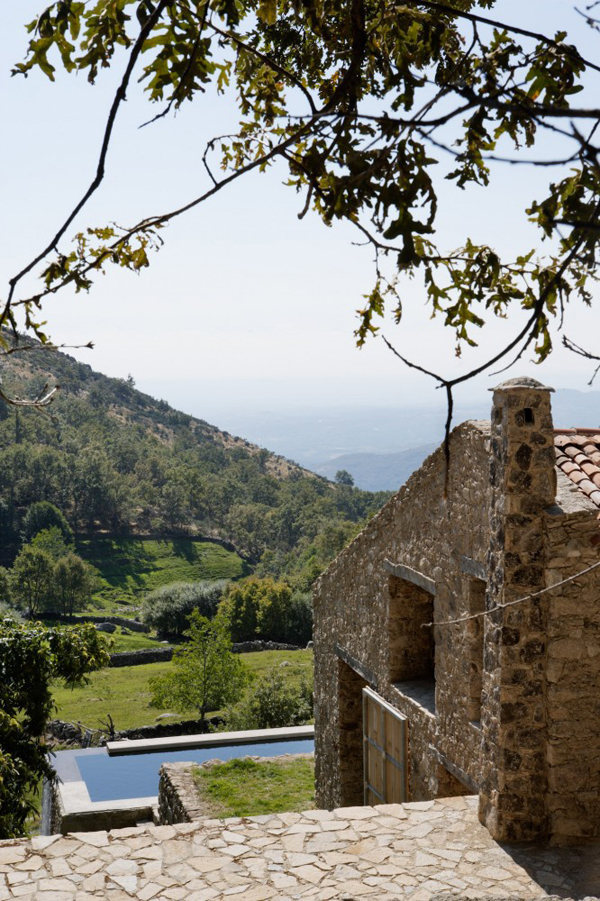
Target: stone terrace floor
[429, 850]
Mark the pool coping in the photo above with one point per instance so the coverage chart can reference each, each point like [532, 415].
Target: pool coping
[211, 739]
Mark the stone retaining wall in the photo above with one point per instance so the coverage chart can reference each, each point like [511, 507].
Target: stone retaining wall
[178, 800]
[73, 733]
[132, 624]
[163, 655]
[141, 657]
[177, 795]
[247, 647]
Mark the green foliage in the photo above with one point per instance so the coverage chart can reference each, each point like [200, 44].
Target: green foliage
[247, 788]
[128, 568]
[48, 576]
[207, 674]
[364, 107]
[272, 703]
[74, 582]
[31, 656]
[31, 580]
[44, 515]
[343, 477]
[124, 691]
[5, 589]
[116, 460]
[168, 609]
[51, 541]
[269, 610]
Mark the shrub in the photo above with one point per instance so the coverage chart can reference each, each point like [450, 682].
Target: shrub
[263, 608]
[168, 608]
[272, 704]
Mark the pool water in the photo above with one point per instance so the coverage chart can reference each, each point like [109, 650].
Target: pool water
[115, 778]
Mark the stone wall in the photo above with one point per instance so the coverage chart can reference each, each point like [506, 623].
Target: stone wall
[506, 704]
[573, 677]
[73, 733]
[247, 647]
[132, 624]
[177, 795]
[523, 478]
[141, 657]
[435, 528]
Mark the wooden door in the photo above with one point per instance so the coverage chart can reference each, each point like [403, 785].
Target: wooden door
[385, 751]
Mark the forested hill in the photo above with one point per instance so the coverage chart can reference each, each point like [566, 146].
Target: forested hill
[117, 461]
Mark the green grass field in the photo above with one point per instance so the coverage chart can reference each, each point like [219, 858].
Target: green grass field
[131, 567]
[124, 693]
[246, 788]
[135, 641]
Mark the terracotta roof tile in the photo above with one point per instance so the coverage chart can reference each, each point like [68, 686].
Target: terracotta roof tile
[578, 457]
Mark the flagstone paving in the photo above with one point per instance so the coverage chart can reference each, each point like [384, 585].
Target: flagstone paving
[430, 850]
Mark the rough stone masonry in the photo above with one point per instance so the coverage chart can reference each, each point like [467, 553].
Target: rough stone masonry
[506, 704]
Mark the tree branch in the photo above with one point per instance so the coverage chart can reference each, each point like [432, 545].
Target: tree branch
[119, 97]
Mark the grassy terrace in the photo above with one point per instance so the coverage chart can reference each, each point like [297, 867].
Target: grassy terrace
[131, 567]
[246, 788]
[124, 692]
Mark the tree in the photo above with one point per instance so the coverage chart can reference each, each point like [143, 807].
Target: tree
[43, 515]
[361, 102]
[51, 541]
[343, 477]
[31, 656]
[207, 674]
[73, 583]
[31, 580]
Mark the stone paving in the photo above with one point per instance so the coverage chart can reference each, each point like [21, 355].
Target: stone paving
[429, 850]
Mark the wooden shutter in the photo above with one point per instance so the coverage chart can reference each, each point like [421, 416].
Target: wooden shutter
[385, 743]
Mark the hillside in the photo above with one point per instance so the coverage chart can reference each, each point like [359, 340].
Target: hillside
[118, 462]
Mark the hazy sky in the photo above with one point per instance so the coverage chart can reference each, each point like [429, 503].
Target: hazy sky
[245, 304]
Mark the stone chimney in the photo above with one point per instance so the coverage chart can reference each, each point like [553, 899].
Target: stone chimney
[512, 801]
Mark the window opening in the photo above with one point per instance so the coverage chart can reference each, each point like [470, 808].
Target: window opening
[411, 643]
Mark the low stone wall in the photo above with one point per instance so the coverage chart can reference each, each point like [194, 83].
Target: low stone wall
[177, 796]
[247, 647]
[132, 624]
[178, 800]
[163, 655]
[73, 733]
[141, 657]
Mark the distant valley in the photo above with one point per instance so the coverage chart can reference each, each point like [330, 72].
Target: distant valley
[378, 472]
[379, 446]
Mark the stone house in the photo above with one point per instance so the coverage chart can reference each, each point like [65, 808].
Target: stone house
[504, 703]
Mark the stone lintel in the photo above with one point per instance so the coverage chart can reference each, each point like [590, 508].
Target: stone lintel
[364, 671]
[456, 771]
[473, 568]
[410, 575]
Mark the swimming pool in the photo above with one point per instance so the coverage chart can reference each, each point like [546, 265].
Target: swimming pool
[110, 777]
[106, 788]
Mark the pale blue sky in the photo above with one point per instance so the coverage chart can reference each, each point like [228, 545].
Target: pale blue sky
[245, 304]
